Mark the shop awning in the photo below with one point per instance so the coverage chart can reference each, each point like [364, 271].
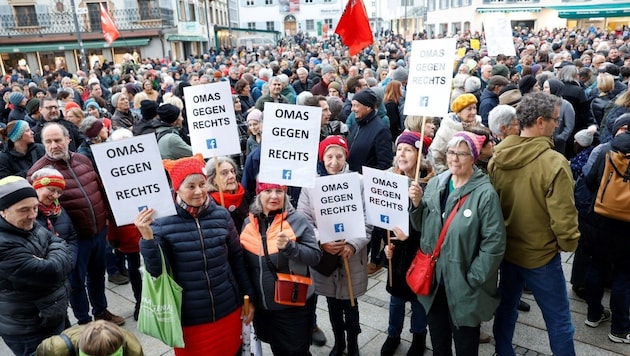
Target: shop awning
[594, 10]
[486, 10]
[184, 38]
[64, 46]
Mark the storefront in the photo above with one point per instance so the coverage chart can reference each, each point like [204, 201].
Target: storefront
[609, 16]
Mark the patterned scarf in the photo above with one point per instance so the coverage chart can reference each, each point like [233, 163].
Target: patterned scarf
[192, 210]
[50, 210]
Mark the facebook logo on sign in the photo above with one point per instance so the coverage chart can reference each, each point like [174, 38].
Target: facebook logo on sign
[339, 228]
[140, 208]
[424, 101]
[385, 219]
[211, 143]
[286, 174]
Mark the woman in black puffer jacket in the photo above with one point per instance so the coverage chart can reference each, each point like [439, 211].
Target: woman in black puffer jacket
[202, 249]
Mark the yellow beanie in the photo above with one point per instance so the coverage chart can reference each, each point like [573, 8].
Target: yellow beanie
[462, 101]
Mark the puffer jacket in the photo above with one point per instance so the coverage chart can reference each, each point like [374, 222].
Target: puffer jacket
[83, 198]
[61, 226]
[336, 284]
[370, 144]
[472, 250]
[13, 163]
[300, 253]
[34, 267]
[206, 260]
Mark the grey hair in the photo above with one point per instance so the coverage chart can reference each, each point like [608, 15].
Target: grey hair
[302, 70]
[211, 169]
[301, 98]
[87, 123]
[46, 171]
[568, 73]
[120, 134]
[535, 105]
[460, 79]
[265, 73]
[541, 78]
[284, 79]
[501, 115]
[256, 207]
[472, 84]
[456, 140]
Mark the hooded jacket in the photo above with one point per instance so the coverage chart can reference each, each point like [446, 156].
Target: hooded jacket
[535, 185]
[489, 100]
[370, 144]
[472, 251]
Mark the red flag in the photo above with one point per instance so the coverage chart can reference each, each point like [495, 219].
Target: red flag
[354, 27]
[110, 32]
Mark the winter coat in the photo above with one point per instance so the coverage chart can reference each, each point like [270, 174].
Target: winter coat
[489, 100]
[61, 226]
[370, 144]
[13, 163]
[260, 103]
[395, 121]
[531, 177]
[598, 108]
[171, 144]
[351, 119]
[18, 113]
[235, 203]
[301, 252]
[472, 251]
[206, 260]
[84, 197]
[336, 285]
[609, 121]
[34, 267]
[299, 87]
[123, 119]
[566, 123]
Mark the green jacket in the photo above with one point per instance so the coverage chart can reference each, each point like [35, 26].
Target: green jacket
[535, 185]
[472, 250]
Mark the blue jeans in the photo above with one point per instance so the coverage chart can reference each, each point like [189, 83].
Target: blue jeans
[397, 317]
[90, 268]
[619, 293]
[549, 288]
[25, 345]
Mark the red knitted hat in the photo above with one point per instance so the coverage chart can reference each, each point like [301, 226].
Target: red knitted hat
[181, 168]
[330, 141]
[72, 105]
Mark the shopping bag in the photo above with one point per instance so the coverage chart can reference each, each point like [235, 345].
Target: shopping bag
[161, 308]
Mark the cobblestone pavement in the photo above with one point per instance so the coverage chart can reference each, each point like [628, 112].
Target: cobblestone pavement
[530, 337]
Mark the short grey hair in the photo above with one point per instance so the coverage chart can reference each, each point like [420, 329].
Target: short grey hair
[568, 73]
[211, 169]
[472, 84]
[501, 115]
[302, 70]
[535, 105]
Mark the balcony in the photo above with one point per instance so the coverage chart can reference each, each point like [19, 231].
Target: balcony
[52, 23]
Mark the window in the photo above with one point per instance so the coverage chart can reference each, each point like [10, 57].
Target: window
[443, 4]
[249, 3]
[327, 0]
[192, 14]
[202, 18]
[456, 3]
[406, 2]
[182, 10]
[149, 9]
[268, 2]
[270, 26]
[329, 22]
[310, 25]
[431, 5]
[251, 25]
[373, 13]
[26, 15]
[308, 1]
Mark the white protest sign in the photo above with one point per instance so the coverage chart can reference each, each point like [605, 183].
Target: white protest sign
[290, 140]
[430, 75]
[386, 196]
[498, 32]
[134, 177]
[211, 120]
[338, 207]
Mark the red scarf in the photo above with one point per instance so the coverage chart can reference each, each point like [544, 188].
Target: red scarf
[232, 200]
[50, 210]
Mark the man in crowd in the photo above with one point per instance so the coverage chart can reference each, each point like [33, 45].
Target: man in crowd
[541, 220]
[49, 110]
[84, 202]
[274, 96]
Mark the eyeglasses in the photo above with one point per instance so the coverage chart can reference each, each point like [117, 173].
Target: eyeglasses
[555, 119]
[459, 155]
[53, 191]
[53, 107]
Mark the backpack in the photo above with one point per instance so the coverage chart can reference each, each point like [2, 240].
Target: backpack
[613, 195]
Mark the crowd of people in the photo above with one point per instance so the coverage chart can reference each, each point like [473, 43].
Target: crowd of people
[514, 162]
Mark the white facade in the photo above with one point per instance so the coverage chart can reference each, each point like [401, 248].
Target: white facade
[291, 16]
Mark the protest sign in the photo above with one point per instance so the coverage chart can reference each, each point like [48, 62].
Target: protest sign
[338, 207]
[498, 32]
[211, 120]
[430, 76]
[290, 139]
[133, 177]
[386, 197]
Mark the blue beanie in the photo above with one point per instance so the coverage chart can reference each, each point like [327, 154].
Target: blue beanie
[16, 98]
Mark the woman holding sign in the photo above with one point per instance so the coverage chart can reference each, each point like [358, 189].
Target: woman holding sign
[401, 252]
[278, 241]
[464, 288]
[226, 190]
[202, 249]
[329, 277]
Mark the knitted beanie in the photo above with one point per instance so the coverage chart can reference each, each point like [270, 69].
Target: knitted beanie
[181, 168]
[463, 101]
[333, 140]
[16, 98]
[475, 142]
[14, 189]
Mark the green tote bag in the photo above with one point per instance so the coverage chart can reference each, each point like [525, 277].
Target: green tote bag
[161, 308]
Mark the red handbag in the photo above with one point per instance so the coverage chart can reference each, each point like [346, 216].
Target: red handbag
[422, 269]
